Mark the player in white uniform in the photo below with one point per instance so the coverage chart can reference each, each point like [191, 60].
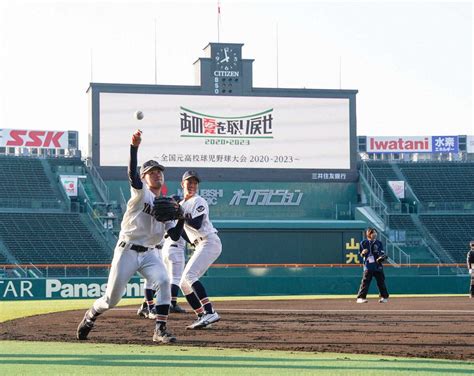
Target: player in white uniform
[174, 257]
[135, 250]
[172, 253]
[200, 232]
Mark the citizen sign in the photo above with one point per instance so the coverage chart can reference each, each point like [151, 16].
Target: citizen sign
[226, 74]
[30, 138]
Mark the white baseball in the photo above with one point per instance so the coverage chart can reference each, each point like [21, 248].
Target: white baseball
[139, 115]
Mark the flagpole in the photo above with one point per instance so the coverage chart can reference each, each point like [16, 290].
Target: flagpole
[277, 54]
[156, 74]
[218, 20]
[92, 65]
[340, 72]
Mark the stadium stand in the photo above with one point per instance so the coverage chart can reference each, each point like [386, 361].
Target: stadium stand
[66, 165]
[401, 222]
[444, 190]
[453, 232]
[52, 238]
[441, 181]
[24, 178]
[384, 172]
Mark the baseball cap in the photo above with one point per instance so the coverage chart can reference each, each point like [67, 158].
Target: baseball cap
[471, 243]
[150, 165]
[191, 174]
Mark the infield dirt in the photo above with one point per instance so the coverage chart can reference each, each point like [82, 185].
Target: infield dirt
[434, 327]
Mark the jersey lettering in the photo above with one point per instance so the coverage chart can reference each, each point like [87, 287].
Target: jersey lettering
[147, 209]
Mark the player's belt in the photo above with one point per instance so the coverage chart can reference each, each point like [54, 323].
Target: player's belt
[199, 239]
[134, 247]
[174, 245]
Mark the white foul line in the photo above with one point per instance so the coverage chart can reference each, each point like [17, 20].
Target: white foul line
[270, 311]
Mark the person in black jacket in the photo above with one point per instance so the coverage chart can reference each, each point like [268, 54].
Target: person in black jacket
[470, 261]
[373, 255]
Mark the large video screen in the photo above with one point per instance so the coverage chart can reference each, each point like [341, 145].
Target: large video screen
[227, 132]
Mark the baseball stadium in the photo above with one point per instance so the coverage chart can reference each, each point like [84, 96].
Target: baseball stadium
[291, 188]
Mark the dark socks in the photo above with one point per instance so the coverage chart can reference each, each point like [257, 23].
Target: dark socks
[149, 298]
[200, 291]
[194, 303]
[162, 311]
[174, 294]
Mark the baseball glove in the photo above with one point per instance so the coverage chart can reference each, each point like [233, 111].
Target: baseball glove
[166, 209]
[381, 259]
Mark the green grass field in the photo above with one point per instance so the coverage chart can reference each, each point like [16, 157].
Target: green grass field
[52, 358]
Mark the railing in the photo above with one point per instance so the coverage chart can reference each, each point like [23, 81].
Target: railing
[395, 253]
[123, 201]
[30, 203]
[95, 219]
[65, 270]
[102, 188]
[431, 241]
[444, 207]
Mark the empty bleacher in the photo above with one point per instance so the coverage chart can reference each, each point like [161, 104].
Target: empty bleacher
[440, 182]
[401, 222]
[383, 172]
[24, 178]
[66, 165]
[453, 232]
[52, 238]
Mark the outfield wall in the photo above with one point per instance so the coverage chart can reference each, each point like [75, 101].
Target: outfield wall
[253, 281]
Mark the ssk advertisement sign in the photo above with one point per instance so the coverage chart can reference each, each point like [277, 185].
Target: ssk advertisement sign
[27, 138]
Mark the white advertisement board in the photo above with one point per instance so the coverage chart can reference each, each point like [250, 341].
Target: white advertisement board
[33, 138]
[227, 132]
[470, 144]
[398, 188]
[69, 183]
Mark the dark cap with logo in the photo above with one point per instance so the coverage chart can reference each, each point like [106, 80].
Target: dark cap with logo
[191, 174]
[150, 165]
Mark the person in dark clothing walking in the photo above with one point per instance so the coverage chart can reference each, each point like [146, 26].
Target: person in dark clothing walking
[470, 261]
[373, 256]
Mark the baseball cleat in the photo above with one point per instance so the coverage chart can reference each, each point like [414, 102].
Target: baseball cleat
[143, 310]
[152, 314]
[85, 326]
[361, 300]
[163, 336]
[177, 309]
[206, 320]
[383, 300]
[198, 320]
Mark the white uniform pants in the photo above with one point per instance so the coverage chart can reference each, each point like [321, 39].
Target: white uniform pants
[173, 258]
[207, 251]
[174, 261]
[125, 264]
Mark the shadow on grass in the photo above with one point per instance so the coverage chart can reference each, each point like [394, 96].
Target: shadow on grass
[236, 362]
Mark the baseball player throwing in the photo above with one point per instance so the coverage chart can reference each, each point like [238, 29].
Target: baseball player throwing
[200, 232]
[135, 250]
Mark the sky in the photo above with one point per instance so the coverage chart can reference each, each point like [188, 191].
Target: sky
[411, 61]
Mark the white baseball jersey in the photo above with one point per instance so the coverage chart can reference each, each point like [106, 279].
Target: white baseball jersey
[194, 207]
[138, 225]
